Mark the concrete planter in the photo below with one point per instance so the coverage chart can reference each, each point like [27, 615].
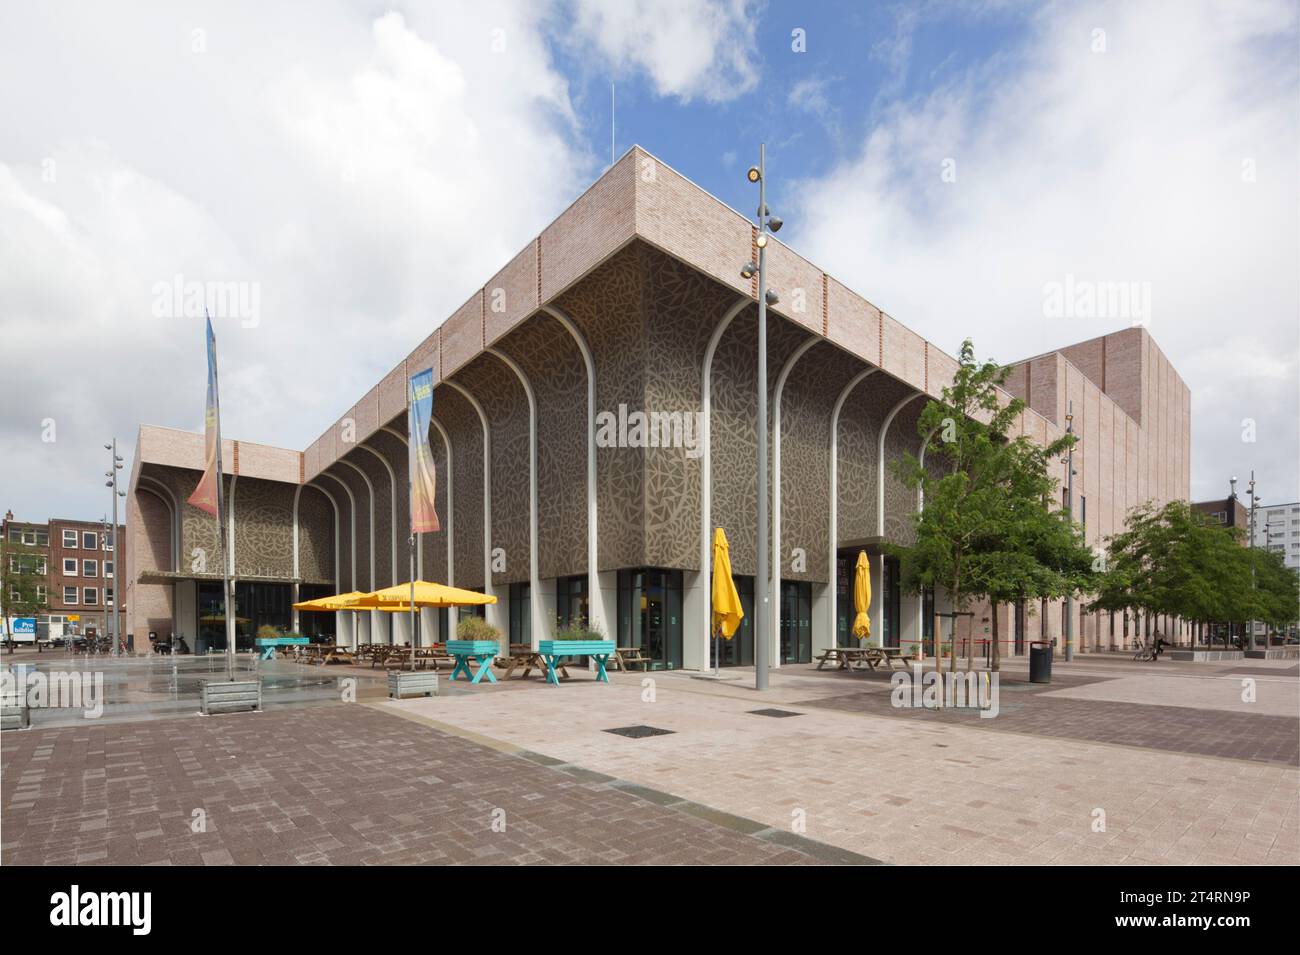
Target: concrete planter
[232, 697]
[403, 683]
[1204, 656]
[1291, 652]
[14, 717]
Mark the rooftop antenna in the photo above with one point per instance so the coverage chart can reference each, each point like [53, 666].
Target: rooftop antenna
[611, 124]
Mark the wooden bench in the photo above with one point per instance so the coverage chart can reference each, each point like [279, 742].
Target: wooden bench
[530, 660]
[626, 656]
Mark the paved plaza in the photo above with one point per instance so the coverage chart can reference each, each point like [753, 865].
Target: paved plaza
[1114, 762]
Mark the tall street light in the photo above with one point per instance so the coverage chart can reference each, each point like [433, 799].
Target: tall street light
[1069, 508]
[766, 223]
[111, 474]
[1254, 497]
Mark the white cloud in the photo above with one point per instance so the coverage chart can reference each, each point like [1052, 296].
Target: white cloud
[1119, 166]
[365, 175]
[687, 48]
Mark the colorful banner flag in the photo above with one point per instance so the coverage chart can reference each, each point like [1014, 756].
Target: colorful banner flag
[205, 495]
[424, 482]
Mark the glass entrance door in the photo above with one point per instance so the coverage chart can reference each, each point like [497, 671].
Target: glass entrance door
[739, 650]
[650, 614]
[796, 621]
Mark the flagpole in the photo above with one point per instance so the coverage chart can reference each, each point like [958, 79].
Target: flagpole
[221, 525]
[410, 509]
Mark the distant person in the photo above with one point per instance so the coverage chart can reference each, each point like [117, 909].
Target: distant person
[1160, 646]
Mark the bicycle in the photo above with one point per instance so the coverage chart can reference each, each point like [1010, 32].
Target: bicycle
[1146, 653]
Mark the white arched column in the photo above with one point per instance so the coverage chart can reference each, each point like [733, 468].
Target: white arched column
[920, 507]
[696, 597]
[878, 605]
[774, 638]
[338, 589]
[492, 611]
[835, 502]
[393, 576]
[374, 619]
[599, 608]
[164, 494]
[540, 610]
[351, 618]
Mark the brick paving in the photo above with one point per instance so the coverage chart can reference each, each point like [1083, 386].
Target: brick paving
[333, 785]
[1025, 708]
[912, 790]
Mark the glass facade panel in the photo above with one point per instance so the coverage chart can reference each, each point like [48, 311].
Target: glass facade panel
[796, 621]
[739, 650]
[650, 614]
[521, 626]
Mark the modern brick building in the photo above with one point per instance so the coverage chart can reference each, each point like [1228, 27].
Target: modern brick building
[555, 499]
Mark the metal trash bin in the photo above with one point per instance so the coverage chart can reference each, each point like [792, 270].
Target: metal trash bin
[1040, 662]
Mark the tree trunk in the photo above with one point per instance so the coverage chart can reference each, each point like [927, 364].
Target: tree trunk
[995, 653]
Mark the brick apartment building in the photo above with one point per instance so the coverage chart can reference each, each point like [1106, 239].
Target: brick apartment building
[77, 567]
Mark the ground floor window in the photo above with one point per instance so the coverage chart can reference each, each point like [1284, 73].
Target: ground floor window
[319, 625]
[891, 602]
[256, 605]
[521, 627]
[739, 650]
[650, 614]
[571, 600]
[846, 562]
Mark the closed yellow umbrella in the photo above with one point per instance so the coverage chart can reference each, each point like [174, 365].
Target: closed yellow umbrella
[862, 596]
[727, 612]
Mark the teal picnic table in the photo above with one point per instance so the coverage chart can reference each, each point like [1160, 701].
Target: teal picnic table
[268, 644]
[553, 650]
[482, 652]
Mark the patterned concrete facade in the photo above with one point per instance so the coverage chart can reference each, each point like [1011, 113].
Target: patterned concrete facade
[634, 295]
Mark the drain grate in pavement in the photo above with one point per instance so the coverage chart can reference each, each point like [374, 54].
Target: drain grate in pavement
[779, 714]
[639, 732]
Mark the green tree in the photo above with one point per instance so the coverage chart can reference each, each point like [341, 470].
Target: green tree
[1276, 592]
[21, 581]
[1031, 550]
[985, 528]
[1170, 559]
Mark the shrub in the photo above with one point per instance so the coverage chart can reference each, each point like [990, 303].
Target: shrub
[476, 628]
[577, 629]
[267, 632]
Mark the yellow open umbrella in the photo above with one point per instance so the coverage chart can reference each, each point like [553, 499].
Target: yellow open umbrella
[335, 602]
[862, 596]
[727, 612]
[427, 594]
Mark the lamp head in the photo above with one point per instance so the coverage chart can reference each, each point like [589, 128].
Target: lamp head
[753, 175]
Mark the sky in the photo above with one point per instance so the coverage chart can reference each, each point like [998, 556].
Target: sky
[358, 169]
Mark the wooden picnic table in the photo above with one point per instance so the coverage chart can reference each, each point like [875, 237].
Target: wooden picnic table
[854, 658]
[530, 660]
[623, 656]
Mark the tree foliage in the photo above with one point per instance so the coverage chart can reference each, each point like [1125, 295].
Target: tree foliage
[988, 528]
[1173, 560]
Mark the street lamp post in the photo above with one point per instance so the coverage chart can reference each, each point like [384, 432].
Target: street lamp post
[1254, 497]
[767, 223]
[111, 474]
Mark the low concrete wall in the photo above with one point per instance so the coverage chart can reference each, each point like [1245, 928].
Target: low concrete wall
[1275, 653]
[1205, 656]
